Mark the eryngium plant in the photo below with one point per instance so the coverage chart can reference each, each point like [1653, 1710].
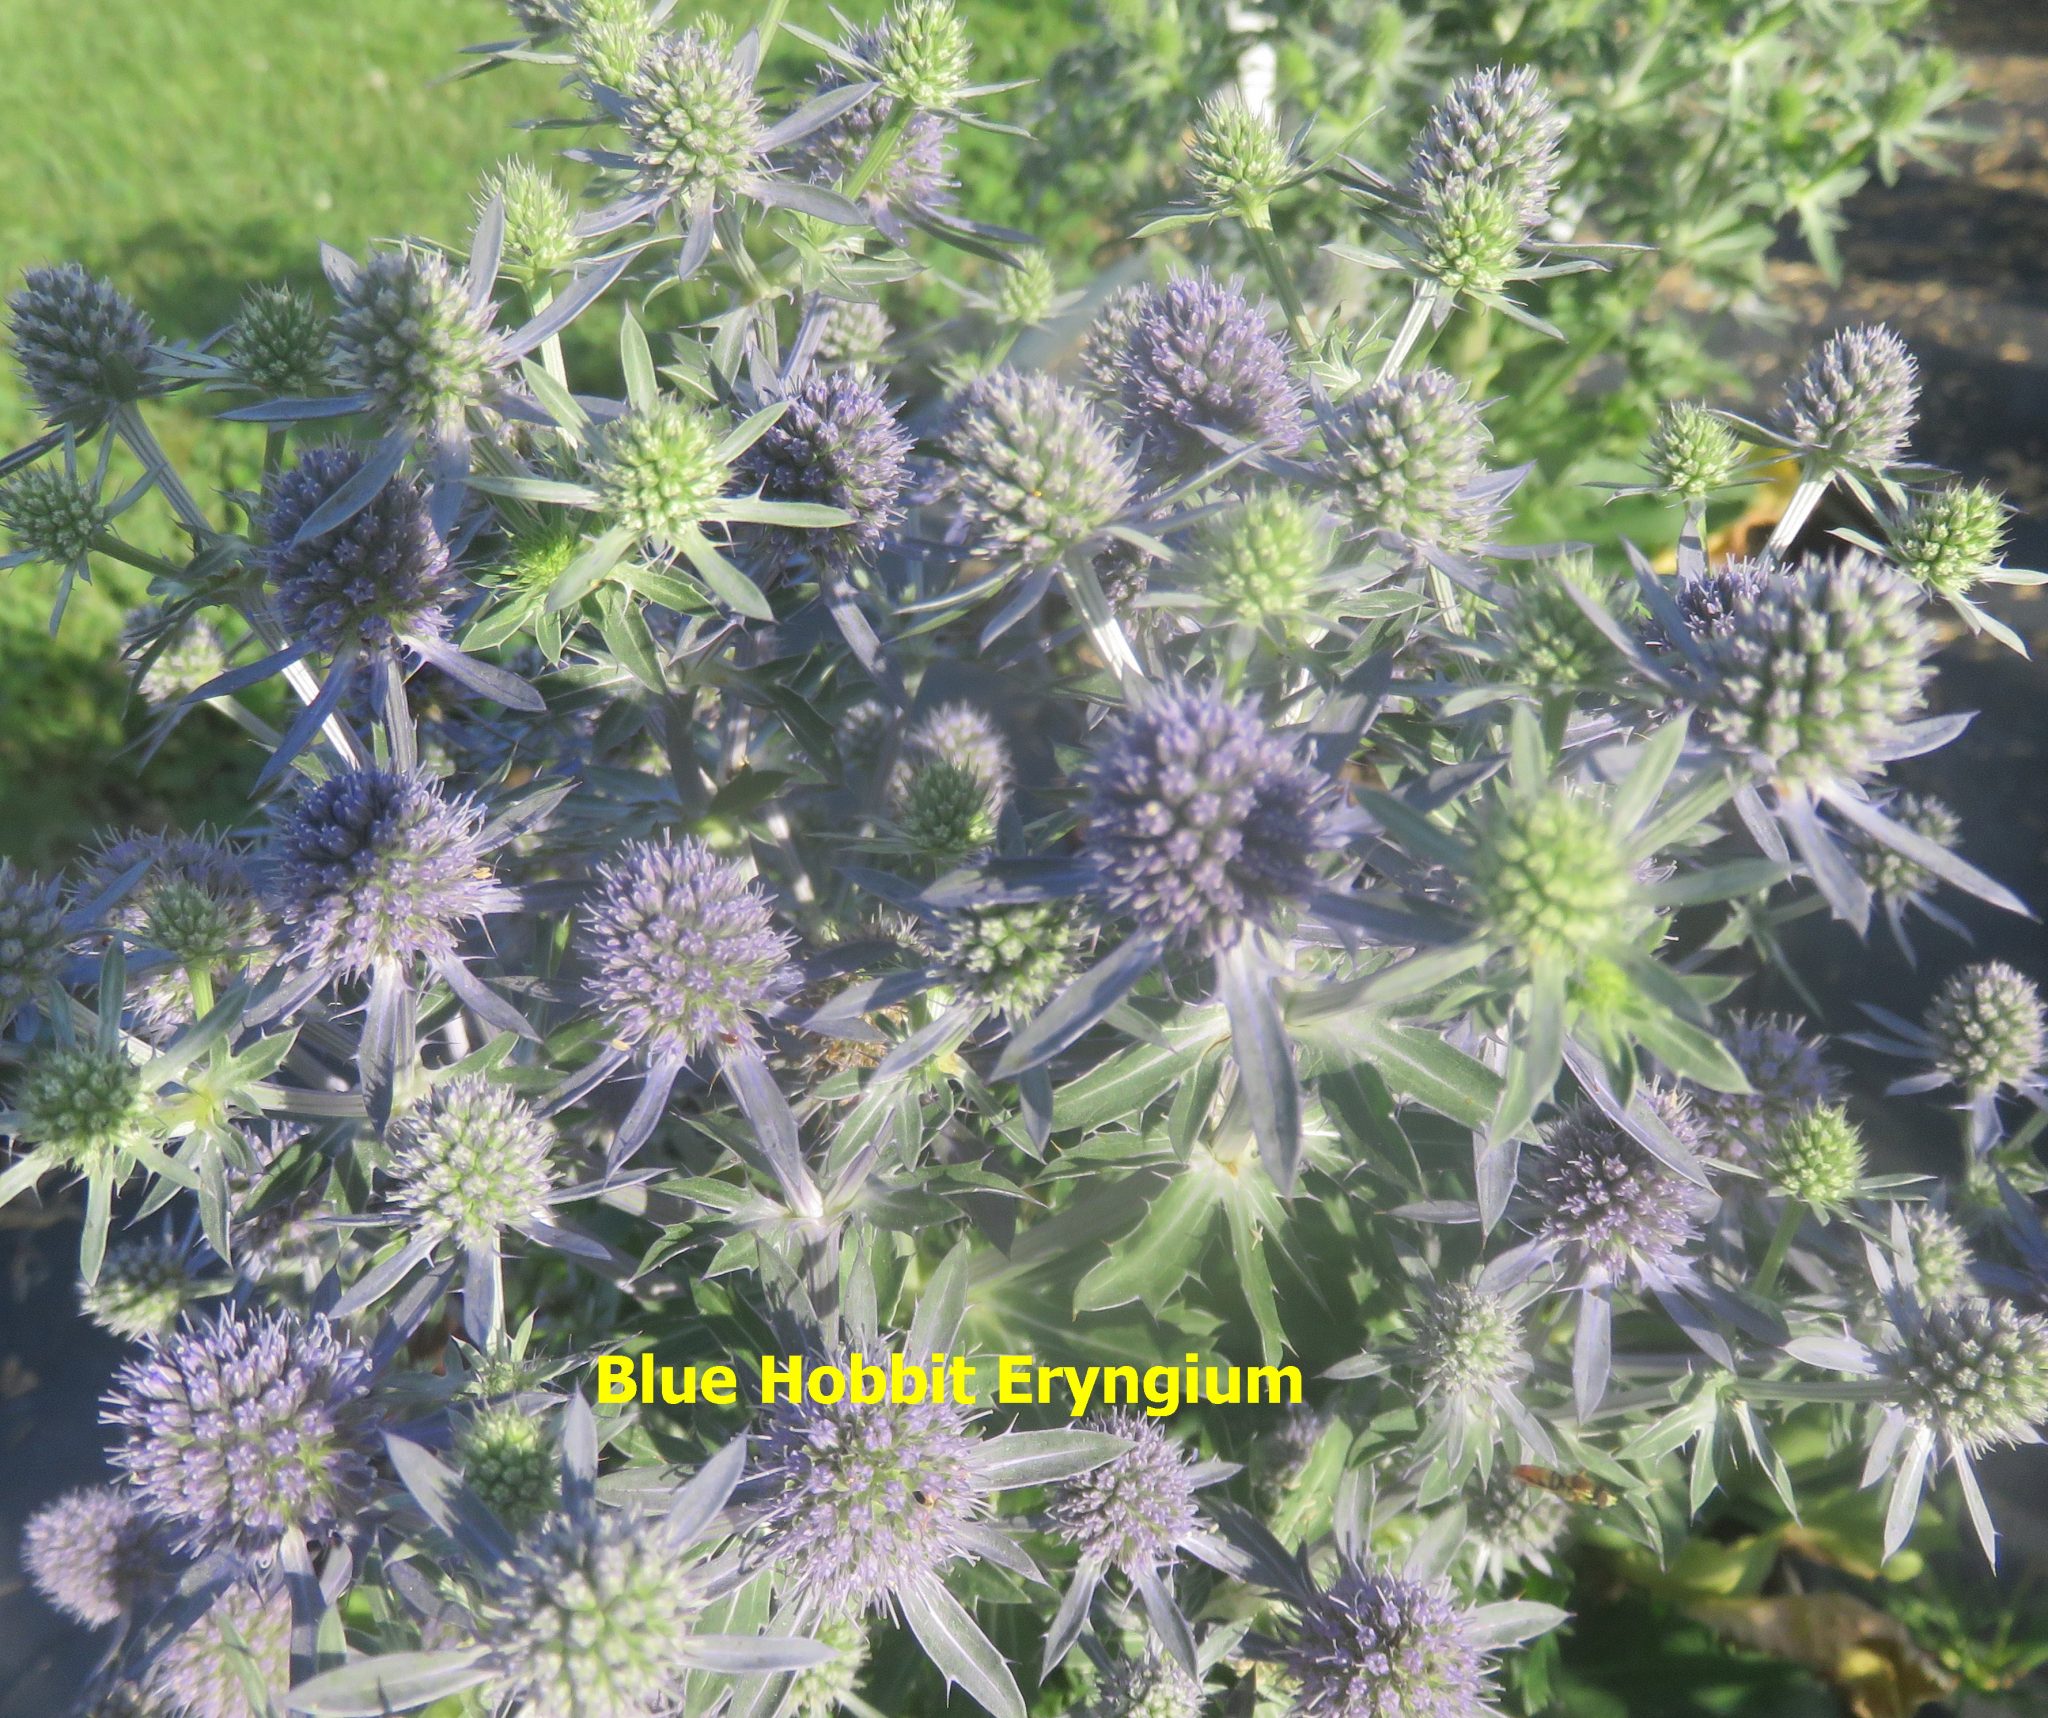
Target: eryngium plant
[1064, 828]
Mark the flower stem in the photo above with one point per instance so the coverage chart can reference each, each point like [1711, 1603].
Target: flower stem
[1282, 279]
[1781, 1243]
[142, 442]
[880, 151]
[1420, 303]
[1797, 511]
[106, 543]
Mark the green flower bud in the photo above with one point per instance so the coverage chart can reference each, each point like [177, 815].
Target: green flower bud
[1552, 878]
[923, 54]
[1817, 1158]
[86, 1102]
[1024, 295]
[1263, 558]
[1987, 1027]
[51, 515]
[540, 225]
[1692, 452]
[1949, 539]
[510, 1461]
[1012, 958]
[660, 471]
[279, 344]
[1238, 157]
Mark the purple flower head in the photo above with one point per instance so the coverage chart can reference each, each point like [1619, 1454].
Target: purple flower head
[372, 581]
[1855, 401]
[1709, 602]
[1612, 1212]
[1498, 127]
[1379, 1645]
[408, 334]
[82, 346]
[381, 865]
[839, 445]
[1198, 355]
[685, 950]
[1133, 1511]
[1203, 824]
[1110, 337]
[244, 1637]
[857, 1500]
[94, 1554]
[1407, 458]
[244, 1426]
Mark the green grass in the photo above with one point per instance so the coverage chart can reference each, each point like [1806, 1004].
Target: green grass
[187, 148]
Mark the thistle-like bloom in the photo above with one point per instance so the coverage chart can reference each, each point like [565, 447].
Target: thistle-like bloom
[1135, 1510]
[197, 903]
[822, 1690]
[1027, 294]
[1407, 459]
[854, 332]
[1959, 1379]
[1467, 1349]
[1552, 875]
[471, 1163]
[509, 1459]
[1154, 1686]
[1012, 958]
[685, 950]
[861, 1500]
[838, 444]
[31, 936]
[1606, 1209]
[693, 119]
[86, 1103]
[1709, 602]
[913, 176]
[1546, 641]
[1894, 877]
[1199, 356]
[1498, 127]
[94, 1554]
[1036, 470]
[609, 38]
[243, 1639]
[1238, 157]
[1202, 824]
[540, 223]
[1951, 537]
[408, 333]
[82, 346]
[243, 1427]
[923, 54]
[381, 867]
[662, 472]
[1375, 1644]
[1943, 1261]
[1987, 1028]
[279, 344]
[1264, 558]
[143, 1288]
[51, 516]
[952, 782]
[1854, 402]
[1816, 1158]
[1787, 1075]
[1820, 669]
[1693, 453]
[593, 1619]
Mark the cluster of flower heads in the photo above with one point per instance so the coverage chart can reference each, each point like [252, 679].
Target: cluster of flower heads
[1067, 821]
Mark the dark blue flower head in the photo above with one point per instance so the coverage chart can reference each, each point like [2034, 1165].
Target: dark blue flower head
[373, 580]
[1199, 355]
[1202, 823]
[915, 173]
[1611, 1210]
[244, 1427]
[82, 346]
[685, 950]
[381, 866]
[837, 444]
